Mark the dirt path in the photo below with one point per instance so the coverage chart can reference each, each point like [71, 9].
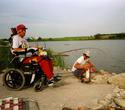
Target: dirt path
[68, 92]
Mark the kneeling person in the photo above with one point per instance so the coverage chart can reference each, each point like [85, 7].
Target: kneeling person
[83, 67]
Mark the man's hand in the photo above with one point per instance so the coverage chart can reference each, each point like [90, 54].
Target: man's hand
[78, 66]
[32, 48]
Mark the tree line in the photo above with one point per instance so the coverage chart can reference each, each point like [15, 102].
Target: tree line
[92, 37]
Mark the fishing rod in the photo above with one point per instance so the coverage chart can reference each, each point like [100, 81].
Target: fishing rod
[63, 53]
[68, 51]
[45, 47]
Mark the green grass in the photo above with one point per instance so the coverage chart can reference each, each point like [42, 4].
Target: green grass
[57, 59]
[4, 57]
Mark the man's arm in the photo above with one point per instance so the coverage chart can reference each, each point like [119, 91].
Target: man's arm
[78, 66]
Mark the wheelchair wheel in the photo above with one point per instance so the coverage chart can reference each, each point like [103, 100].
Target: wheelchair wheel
[14, 79]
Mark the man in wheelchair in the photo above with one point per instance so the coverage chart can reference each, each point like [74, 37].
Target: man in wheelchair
[20, 47]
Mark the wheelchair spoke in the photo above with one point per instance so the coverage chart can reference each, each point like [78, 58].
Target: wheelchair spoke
[9, 82]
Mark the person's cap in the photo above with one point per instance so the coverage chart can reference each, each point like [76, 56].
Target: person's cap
[87, 53]
[20, 26]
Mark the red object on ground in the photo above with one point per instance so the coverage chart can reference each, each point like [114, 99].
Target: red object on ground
[10, 105]
[87, 66]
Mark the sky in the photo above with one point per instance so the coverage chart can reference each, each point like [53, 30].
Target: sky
[62, 18]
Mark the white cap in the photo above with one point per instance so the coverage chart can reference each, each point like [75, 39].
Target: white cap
[87, 52]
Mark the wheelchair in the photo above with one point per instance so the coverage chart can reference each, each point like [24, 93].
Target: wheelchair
[21, 74]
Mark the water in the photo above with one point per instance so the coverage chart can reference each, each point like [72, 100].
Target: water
[105, 54]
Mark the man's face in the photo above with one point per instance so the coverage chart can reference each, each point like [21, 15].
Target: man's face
[21, 32]
[85, 57]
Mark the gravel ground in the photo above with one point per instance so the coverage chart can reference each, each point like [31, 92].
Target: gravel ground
[69, 92]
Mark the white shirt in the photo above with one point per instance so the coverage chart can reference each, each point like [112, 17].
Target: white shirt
[81, 61]
[18, 41]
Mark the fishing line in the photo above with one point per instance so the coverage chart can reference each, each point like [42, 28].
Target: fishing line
[89, 48]
[81, 49]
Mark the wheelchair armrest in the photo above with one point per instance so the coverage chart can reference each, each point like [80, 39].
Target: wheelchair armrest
[19, 52]
[24, 52]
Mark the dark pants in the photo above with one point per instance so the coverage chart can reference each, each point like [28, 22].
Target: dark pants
[78, 72]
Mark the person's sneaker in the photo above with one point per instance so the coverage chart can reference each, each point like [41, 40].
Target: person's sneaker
[57, 78]
[51, 83]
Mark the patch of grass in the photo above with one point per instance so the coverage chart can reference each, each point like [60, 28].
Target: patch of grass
[4, 57]
[57, 59]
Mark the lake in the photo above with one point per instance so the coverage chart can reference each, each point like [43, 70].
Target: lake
[108, 55]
